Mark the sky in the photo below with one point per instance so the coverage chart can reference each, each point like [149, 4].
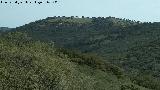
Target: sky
[14, 15]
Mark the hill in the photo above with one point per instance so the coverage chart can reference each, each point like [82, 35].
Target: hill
[27, 64]
[3, 29]
[129, 44]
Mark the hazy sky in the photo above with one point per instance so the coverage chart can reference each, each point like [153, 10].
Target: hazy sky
[14, 15]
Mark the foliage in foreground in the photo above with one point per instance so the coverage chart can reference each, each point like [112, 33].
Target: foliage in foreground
[27, 64]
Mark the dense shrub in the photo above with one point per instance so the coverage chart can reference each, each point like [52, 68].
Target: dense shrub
[91, 60]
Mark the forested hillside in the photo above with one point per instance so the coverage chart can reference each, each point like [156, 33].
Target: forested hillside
[131, 45]
[26, 64]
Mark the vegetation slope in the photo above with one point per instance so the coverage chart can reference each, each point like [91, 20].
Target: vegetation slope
[132, 45]
[33, 65]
